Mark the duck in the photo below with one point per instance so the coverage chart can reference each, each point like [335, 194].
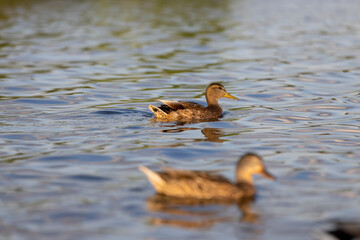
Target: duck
[207, 185]
[190, 111]
[345, 230]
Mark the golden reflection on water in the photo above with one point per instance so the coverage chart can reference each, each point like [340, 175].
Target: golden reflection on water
[195, 213]
[213, 134]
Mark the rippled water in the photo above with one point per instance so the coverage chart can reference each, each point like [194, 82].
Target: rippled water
[75, 82]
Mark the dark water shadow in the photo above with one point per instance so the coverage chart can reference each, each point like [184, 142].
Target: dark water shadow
[196, 213]
[87, 178]
[77, 159]
[126, 112]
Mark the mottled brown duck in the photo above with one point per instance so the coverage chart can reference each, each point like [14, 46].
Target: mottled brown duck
[206, 185]
[190, 111]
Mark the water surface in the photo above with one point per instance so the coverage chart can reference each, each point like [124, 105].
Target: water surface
[75, 82]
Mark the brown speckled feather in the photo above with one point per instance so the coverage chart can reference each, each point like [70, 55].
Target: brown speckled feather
[172, 104]
[175, 105]
[198, 184]
[165, 113]
[176, 173]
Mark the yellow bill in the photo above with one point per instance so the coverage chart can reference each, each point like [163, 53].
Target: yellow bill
[227, 95]
[268, 175]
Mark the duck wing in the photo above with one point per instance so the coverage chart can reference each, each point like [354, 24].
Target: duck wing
[192, 105]
[175, 105]
[197, 184]
[188, 174]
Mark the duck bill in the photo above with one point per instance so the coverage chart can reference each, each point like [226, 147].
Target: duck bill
[227, 95]
[268, 175]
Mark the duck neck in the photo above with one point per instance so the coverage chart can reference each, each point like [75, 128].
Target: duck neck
[212, 102]
[245, 183]
[244, 177]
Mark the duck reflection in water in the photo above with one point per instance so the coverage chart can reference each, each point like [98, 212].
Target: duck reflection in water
[211, 134]
[187, 187]
[196, 213]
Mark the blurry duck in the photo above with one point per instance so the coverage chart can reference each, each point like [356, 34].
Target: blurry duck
[189, 111]
[205, 185]
[346, 230]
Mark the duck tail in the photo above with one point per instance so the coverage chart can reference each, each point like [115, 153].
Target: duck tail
[157, 111]
[154, 178]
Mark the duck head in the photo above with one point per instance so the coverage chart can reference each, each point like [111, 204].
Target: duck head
[215, 91]
[248, 165]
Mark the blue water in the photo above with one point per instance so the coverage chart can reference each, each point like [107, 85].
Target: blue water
[76, 79]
